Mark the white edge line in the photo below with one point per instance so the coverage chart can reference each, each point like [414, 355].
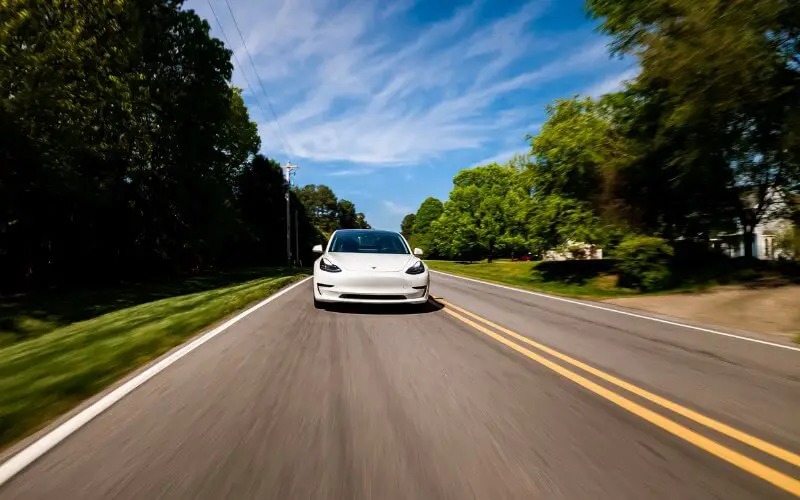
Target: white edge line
[626, 313]
[27, 456]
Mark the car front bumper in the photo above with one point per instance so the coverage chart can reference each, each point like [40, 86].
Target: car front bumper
[372, 288]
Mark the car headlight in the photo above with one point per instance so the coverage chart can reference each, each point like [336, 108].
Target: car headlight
[328, 266]
[417, 268]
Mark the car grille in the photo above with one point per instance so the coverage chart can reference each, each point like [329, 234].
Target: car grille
[358, 296]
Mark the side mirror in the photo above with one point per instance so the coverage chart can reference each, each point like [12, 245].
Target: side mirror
[418, 251]
[317, 249]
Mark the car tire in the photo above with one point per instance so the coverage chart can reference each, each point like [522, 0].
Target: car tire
[318, 304]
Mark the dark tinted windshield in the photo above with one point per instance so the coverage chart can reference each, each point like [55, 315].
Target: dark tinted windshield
[368, 242]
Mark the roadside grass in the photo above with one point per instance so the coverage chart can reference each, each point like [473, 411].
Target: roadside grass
[68, 347]
[521, 274]
[26, 316]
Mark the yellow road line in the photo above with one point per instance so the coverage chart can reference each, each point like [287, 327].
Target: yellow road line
[709, 422]
[745, 463]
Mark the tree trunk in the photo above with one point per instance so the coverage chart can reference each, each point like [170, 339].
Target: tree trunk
[748, 242]
[748, 220]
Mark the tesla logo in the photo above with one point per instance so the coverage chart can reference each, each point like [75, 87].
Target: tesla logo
[373, 267]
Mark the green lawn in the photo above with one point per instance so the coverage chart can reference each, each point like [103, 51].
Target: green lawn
[60, 348]
[521, 274]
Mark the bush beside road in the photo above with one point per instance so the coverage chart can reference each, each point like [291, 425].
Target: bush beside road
[580, 279]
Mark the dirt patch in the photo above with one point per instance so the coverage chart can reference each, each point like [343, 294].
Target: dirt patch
[767, 310]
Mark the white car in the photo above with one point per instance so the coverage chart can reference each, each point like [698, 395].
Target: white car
[369, 266]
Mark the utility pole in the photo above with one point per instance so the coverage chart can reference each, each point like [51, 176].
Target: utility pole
[297, 238]
[289, 169]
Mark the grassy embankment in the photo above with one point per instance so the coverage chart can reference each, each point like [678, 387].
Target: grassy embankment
[522, 274]
[58, 348]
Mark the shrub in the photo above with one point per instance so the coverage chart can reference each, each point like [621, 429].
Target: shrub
[643, 262]
[789, 243]
[576, 272]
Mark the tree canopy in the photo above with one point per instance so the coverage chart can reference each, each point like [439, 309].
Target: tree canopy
[704, 141]
[125, 150]
[327, 212]
[726, 79]
[407, 225]
[419, 232]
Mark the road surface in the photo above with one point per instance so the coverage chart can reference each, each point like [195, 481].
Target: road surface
[497, 395]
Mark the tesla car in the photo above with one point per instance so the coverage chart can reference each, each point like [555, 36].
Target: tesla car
[369, 266]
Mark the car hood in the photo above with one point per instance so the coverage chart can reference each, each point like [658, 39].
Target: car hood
[378, 262]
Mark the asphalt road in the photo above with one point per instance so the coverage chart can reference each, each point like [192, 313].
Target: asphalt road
[366, 403]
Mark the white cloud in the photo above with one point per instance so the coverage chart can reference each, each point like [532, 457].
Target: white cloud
[396, 209]
[397, 7]
[355, 83]
[351, 172]
[501, 157]
[612, 83]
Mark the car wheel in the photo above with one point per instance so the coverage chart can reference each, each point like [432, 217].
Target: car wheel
[318, 304]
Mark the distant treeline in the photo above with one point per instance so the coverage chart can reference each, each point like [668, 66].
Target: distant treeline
[125, 152]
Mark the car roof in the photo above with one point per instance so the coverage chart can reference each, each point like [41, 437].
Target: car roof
[365, 231]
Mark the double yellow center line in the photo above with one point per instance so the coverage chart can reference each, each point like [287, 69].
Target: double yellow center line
[745, 463]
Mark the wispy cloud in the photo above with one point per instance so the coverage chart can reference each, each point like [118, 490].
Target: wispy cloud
[398, 7]
[396, 209]
[351, 172]
[351, 84]
[501, 157]
[612, 83]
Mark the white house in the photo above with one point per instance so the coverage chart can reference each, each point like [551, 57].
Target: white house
[765, 235]
[575, 251]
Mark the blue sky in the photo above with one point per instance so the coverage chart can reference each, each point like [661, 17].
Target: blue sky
[385, 101]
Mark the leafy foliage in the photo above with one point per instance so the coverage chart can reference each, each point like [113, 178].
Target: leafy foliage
[726, 79]
[125, 151]
[407, 225]
[475, 220]
[420, 233]
[644, 262]
[327, 212]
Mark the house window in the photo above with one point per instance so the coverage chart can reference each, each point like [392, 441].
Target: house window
[769, 247]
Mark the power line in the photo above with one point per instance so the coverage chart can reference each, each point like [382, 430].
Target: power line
[263, 89]
[289, 168]
[238, 64]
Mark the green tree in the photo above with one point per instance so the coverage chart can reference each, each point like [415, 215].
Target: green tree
[421, 232]
[346, 214]
[728, 77]
[572, 171]
[361, 221]
[454, 234]
[430, 210]
[407, 225]
[348, 218]
[322, 204]
[65, 116]
[476, 220]
[574, 146]
[124, 148]
[652, 190]
[261, 188]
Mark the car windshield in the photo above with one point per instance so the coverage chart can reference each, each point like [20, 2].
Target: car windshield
[368, 242]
